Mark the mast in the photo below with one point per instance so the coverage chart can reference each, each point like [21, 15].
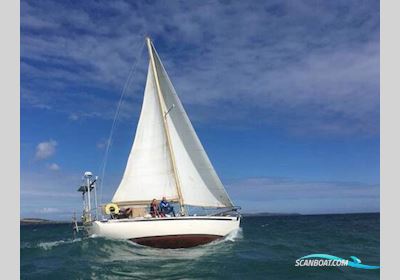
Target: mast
[164, 111]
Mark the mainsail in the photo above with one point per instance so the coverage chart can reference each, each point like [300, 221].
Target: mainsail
[167, 157]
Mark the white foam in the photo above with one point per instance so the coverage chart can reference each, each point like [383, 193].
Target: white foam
[50, 245]
[234, 235]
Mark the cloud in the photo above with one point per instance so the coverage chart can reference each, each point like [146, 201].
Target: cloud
[49, 210]
[47, 193]
[45, 149]
[302, 66]
[73, 117]
[272, 194]
[54, 166]
[41, 190]
[102, 144]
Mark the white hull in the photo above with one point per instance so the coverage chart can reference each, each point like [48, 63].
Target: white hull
[174, 232]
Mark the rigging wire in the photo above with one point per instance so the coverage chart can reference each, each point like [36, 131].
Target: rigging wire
[116, 116]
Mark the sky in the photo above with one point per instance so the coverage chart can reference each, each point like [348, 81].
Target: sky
[284, 96]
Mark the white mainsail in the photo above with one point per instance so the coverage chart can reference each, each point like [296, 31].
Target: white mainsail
[150, 171]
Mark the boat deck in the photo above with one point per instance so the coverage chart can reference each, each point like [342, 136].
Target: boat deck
[147, 219]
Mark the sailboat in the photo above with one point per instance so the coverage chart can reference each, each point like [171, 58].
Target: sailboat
[167, 160]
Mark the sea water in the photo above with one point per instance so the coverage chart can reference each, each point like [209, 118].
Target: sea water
[266, 247]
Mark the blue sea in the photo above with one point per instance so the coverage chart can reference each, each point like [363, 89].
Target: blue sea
[266, 247]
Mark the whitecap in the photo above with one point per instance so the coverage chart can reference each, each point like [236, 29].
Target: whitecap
[51, 244]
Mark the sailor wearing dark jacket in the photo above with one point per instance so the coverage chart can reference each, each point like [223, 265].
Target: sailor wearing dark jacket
[166, 208]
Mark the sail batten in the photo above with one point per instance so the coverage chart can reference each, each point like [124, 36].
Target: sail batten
[165, 128]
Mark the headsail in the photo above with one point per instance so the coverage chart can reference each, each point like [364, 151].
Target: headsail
[148, 173]
[152, 171]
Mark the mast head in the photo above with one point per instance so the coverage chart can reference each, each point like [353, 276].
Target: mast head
[148, 40]
[88, 174]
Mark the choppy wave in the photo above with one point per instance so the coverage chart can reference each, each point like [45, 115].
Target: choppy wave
[111, 250]
[50, 244]
[266, 247]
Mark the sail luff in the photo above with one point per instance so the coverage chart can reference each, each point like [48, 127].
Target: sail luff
[164, 112]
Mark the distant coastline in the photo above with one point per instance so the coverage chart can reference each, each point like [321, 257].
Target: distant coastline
[263, 214]
[37, 221]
